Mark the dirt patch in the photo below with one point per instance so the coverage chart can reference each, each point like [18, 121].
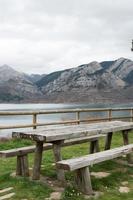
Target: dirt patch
[55, 185]
[55, 196]
[124, 183]
[123, 189]
[96, 195]
[120, 169]
[100, 174]
[124, 162]
[13, 174]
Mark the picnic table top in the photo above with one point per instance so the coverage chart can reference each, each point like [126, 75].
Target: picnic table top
[73, 131]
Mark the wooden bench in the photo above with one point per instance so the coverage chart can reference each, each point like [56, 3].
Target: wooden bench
[22, 168]
[80, 165]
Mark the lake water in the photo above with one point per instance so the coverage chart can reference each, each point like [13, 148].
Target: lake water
[12, 120]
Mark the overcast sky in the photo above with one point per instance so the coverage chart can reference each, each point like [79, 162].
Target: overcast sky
[42, 36]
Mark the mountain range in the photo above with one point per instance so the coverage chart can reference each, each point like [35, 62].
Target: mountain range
[107, 81]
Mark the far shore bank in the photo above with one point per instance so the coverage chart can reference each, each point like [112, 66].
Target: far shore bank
[92, 101]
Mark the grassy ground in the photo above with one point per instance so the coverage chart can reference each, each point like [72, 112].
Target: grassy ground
[27, 189]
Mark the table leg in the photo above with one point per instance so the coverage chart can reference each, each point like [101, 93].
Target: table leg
[57, 154]
[83, 181]
[126, 142]
[94, 146]
[22, 168]
[108, 141]
[37, 161]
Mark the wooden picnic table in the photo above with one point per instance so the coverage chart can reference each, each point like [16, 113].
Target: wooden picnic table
[57, 135]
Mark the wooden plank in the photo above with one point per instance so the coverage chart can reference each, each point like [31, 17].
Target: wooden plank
[77, 163]
[22, 150]
[40, 112]
[82, 140]
[64, 122]
[62, 111]
[74, 131]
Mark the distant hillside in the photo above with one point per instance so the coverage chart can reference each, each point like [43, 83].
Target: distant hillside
[35, 77]
[110, 81]
[105, 81]
[16, 86]
[92, 75]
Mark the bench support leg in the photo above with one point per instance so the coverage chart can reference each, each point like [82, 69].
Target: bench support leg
[94, 146]
[37, 161]
[108, 141]
[126, 142]
[83, 181]
[22, 166]
[57, 154]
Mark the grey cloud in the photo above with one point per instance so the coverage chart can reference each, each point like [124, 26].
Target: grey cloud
[42, 36]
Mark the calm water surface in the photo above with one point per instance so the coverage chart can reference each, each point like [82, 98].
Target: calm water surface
[12, 120]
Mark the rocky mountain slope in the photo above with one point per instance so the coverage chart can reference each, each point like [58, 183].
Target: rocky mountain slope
[16, 86]
[90, 82]
[94, 82]
[34, 77]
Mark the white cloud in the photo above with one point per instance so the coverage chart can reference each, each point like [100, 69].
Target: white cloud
[41, 36]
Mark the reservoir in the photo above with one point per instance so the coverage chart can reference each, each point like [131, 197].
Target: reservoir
[14, 120]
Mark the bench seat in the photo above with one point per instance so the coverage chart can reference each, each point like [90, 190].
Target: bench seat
[31, 149]
[80, 165]
[22, 151]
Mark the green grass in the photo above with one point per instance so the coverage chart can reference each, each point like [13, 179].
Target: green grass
[24, 188]
[14, 143]
[31, 190]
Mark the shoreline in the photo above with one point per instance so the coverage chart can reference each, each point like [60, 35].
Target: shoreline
[104, 101]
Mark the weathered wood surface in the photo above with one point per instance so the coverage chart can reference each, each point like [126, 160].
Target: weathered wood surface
[108, 141]
[31, 149]
[74, 131]
[22, 168]
[80, 162]
[83, 181]
[126, 142]
[82, 140]
[57, 154]
[22, 151]
[94, 146]
[37, 161]
[40, 112]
